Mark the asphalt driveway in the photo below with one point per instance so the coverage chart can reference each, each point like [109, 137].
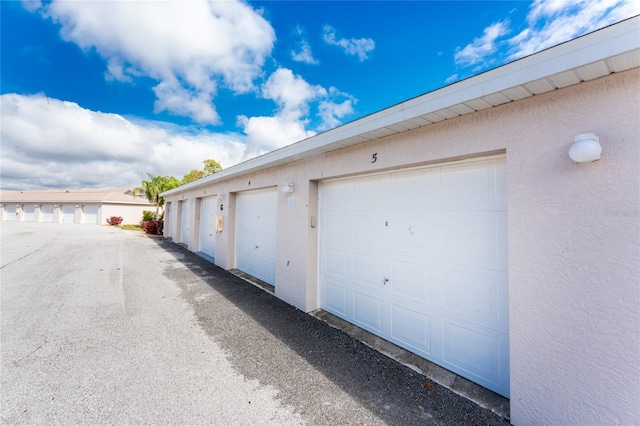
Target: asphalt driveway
[100, 325]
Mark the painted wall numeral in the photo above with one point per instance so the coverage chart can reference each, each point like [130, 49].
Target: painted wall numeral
[374, 157]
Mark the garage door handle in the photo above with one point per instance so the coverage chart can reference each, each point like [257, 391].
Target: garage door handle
[386, 280]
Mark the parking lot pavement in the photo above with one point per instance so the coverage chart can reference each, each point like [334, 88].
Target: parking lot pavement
[100, 325]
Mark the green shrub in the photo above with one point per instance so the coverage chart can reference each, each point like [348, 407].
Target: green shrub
[148, 215]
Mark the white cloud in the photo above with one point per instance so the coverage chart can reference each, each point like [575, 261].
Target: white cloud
[291, 92]
[552, 22]
[293, 96]
[190, 51]
[358, 47]
[548, 23]
[331, 110]
[480, 48]
[52, 143]
[451, 79]
[303, 53]
[265, 134]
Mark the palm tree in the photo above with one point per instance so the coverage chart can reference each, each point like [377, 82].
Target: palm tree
[153, 187]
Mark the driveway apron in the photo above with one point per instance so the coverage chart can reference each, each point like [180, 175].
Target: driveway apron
[101, 325]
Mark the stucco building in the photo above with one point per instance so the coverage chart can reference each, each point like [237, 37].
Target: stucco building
[78, 206]
[456, 225]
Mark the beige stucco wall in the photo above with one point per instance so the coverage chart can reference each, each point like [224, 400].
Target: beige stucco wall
[574, 239]
[131, 214]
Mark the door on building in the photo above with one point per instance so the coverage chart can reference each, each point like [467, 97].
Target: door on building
[28, 213]
[47, 213]
[208, 211]
[184, 222]
[90, 215]
[68, 214]
[10, 213]
[256, 233]
[171, 217]
[419, 257]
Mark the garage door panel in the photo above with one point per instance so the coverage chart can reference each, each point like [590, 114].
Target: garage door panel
[473, 294]
[184, 222]
[411, 280]
[338, 264]
[410, 233]
[470, 184]
[473, 351]
[368, 230]
[207, 231]
[28, 213]
[47, 213]
[368, 270]
[90, 215]
[256, 233]
[257, 224]
[341, 231]
[10, 213]
[367, 311]
[366, 193]
[338, 195]
[171, 218]
[68, 214]
[412, 328]
[336, 299]
[439, 236]
[415, 189]
[470, 238]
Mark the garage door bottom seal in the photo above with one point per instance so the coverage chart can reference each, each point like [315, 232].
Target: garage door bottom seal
[253, 280]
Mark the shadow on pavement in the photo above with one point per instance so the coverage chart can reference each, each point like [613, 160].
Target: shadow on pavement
[311, 364]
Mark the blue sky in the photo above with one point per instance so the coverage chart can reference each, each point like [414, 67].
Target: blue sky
[97, 94]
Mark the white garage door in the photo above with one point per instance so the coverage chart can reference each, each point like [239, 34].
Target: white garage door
[256, 234]
[90, 215]
[29, 213]
[171, 216]
[10, 213]
[208, 212]
[68, 214]
[47, 213]
[184, 222]
[419, 257]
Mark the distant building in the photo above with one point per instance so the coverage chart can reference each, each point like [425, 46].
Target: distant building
[466, 226]
[79, 206]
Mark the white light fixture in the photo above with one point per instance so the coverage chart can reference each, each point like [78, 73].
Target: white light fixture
[586, 148]
[220, 196]
[286, 187]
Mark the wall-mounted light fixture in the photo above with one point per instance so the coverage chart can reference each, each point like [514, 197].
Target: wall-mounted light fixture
[586, 148]
[286, 187]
